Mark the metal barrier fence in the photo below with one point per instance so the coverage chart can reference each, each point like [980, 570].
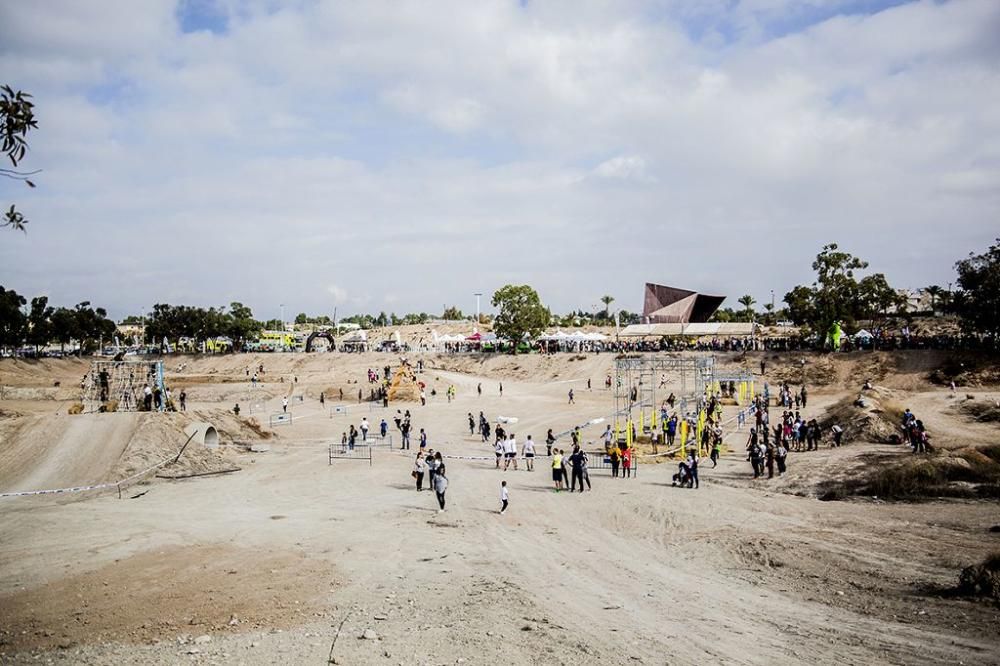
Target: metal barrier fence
[599, 460]
[338, 451]
[280, 418]
[338, 410]
[378, 441]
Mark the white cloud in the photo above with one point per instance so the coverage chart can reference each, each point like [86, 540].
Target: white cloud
[393, 152]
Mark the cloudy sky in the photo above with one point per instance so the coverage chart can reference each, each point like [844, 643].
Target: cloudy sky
[401, 156]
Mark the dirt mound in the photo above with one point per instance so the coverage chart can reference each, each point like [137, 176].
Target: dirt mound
[41, 453]
[982, 580]
[986, 411]
[967, 370]
[871, 416]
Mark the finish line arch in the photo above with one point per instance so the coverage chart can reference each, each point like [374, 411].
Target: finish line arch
[319, 334]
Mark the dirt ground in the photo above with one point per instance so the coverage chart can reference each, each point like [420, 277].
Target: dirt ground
[296, 560]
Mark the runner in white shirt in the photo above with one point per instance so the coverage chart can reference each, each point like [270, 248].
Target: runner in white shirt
[529, 454]
[510, 452]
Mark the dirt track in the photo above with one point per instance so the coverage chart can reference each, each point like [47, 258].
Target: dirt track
[634, 572]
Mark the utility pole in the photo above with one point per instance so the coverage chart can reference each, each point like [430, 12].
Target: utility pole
[477, 295]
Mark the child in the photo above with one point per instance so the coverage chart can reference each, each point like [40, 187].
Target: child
[503, 497]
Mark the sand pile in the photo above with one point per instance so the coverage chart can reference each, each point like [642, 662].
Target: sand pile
[982, 580]
[871, 416]
[404, 385]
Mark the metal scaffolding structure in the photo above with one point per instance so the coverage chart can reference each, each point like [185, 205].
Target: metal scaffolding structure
[642, 383]
[124, 382]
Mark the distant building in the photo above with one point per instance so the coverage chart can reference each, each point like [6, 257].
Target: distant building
[670, 305]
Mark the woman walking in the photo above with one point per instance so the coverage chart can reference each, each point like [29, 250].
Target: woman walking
[440, 484]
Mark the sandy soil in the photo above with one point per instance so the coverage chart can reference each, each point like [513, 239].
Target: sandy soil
[293, 559]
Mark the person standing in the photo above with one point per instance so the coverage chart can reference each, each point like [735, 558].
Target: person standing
[479, 389]
[501, 389]
[472, 425]
[557, 470]
[607, 436]
[383, 428]
[550, 439]
[405, 429]
[779, 456]
[692, 462]
[586, 470]
[322, 399]
[576, 463]
[423, 439]
[183, 399]
[564, 460]
[418, 470]
[284, 404]
[364, 429]
[529, 454]
[440, 482]
[571, 396]
[614, 455]
[627, 463]
[504, 497]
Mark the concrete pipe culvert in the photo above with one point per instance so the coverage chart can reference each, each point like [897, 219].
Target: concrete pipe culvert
[205, 434]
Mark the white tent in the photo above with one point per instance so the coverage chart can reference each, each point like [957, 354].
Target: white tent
[863, 335]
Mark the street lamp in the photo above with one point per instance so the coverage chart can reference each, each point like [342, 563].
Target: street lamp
[477, 295]
[282, 307]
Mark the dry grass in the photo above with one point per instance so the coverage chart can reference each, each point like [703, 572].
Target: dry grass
[76, 408]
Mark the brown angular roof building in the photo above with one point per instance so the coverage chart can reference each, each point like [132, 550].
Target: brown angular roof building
[670, 305]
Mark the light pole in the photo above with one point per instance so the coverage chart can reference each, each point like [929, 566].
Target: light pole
[282, 308]
[477, 295]
[774, 316]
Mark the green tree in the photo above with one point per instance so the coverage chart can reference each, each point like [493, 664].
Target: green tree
[521, 314]
[13, 322]
[301, 318]
[747, 301]
[877, 300]
[39, 322]
[834, 296]
[935, 292]
[64, 326]
[977, 300]
[607, 300]
[17, 118]
[452, 314]
[240, 325]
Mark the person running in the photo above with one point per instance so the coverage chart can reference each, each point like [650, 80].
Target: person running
[383, 428]
[479, 389]
[284, 404]
[607, 436]
[498, 449]
[550, 439]
[364, 429]
[418, 470]
[440, 483]
[510, 449]
[571, 396]
[557, 469]
[504, 497]
[716, 450]
[529, 454]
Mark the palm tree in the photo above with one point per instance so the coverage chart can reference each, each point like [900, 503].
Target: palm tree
[770, 312]
[934, 291]
[747, 302]
[607, 300]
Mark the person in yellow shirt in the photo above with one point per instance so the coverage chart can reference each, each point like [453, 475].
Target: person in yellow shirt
[557, 470]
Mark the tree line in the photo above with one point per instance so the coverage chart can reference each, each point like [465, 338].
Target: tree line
[40, 324]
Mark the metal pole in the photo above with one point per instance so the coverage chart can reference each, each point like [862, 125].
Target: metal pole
[477, 295]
